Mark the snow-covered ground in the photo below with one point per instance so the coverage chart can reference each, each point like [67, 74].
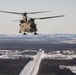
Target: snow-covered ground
[33, 66]
[40, 38]
[52, 38]
[72, 68]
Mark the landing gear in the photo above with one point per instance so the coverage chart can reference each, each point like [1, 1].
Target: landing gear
[35, 33]
[24, 33]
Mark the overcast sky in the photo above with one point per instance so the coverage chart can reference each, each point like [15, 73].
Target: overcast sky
[65, 24]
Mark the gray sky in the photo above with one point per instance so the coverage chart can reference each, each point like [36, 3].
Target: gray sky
[65, 24]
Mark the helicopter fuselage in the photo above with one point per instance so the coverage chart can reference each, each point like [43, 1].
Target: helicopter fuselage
[28, 27]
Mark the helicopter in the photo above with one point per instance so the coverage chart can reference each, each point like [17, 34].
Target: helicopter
[29, 26]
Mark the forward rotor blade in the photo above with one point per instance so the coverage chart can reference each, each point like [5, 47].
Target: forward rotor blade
[50, 17]
[15, 20]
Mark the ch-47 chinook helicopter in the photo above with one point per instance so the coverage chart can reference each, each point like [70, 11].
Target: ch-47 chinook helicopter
[29, 26]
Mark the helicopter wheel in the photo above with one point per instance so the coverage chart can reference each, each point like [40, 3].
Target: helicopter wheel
[35, 33]
[24, 33]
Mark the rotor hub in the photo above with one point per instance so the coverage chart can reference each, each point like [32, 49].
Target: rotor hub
[24, 14]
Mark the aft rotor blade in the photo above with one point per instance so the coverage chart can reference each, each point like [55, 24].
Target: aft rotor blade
[24, 12]
[37, 12]
[50, 17]
[10, 12]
